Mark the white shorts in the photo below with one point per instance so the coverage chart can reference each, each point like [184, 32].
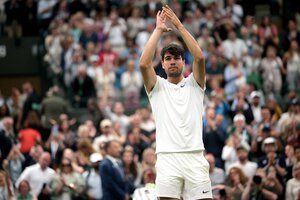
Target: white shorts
[183, 175]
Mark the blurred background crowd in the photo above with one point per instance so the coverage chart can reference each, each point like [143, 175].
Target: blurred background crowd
[55, 144]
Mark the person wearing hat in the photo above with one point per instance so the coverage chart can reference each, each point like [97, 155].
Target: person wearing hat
[271, 158]
[248, 167]
[107, 134]
[92, 178]
[255, 103]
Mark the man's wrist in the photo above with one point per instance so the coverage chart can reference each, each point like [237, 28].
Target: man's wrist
[159, 30]
[179, 26]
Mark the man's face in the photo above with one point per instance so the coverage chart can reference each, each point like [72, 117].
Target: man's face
[115, 149]
[45, 161]
[173, 65]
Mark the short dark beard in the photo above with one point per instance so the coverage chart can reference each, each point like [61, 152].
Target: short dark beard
[174, 74]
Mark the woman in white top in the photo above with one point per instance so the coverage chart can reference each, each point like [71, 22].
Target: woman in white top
[293, 185]
[292, 61]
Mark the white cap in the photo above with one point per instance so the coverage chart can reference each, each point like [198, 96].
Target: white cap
[239, 117]
[269, 140]
[96, 157]
[105, 122]
[254, 94]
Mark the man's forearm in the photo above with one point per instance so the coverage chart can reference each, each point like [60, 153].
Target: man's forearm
[190, 42]
[149, 49]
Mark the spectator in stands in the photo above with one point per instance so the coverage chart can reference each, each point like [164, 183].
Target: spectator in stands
[54, 145]
[268, 32]
[215, 70]
[92, 178]
[105, 82]
[291, 60]
[294, 139]
[6, 127]
[289, 35]
[131, 170]
[31, 102]
[236, 182]
[112, 174]
[54, 50]
[272, 182]
[234, 11]
[6, 188]
[241, 130]
[29, 135]
[67, 183]
[24, 191]
[71, 70]
[290, 160]
[271, 69]
[13, 163]
[257, 189]
[131, 82]
[214, 136]
[216, 174]
[235, 77]
[107, 134]
[88, 33]
[4, 109]
[70, 155]
[14, 103]
[257, 141]
[118, 115]
[271, 159]
[234, 47]
[248, 167]
[288, 120]
[69, 136]
[147, 122]
[52, 107]
[135, 22]
[137, 141]
[229, 154]
[293, 185]
[82, 87]
[115, 29]
[37, 175]
[275, 108]
[255, 103]
[61, 11]
[45, 9]
[148, 159]
[34, 156]
[94, 69]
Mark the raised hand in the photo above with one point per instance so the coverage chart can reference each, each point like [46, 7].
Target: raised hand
[161, 22]
[171, 16]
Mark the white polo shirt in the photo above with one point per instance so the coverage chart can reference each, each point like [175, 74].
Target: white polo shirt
[36, 177]
[177, 110]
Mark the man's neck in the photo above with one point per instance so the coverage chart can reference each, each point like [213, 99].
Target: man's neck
[175, 80]
[243, 162]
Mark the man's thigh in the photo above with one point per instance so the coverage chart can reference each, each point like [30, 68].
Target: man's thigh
[169, 177]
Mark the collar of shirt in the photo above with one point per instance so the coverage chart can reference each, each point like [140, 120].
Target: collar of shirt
[115, 161]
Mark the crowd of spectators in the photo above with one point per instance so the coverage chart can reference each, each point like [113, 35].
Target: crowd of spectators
[251, 126]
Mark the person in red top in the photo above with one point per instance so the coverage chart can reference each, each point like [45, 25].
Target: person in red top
[29, 135]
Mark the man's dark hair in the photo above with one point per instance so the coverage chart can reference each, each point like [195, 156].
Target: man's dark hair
[174, 49]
